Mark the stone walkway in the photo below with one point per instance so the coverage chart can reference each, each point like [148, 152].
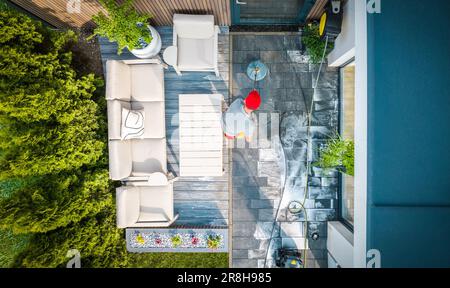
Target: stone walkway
[261, 169]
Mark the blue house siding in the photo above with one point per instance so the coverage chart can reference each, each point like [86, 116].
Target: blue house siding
[408, 215]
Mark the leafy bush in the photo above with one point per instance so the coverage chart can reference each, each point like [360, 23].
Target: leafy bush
[314, 44]
[123, 24]
[11, 245]
[45, 204]
[52, 148]
[49, 123]
[338, 153]
[97, 239]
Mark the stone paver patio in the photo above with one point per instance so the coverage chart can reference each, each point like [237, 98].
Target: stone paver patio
[259, 169]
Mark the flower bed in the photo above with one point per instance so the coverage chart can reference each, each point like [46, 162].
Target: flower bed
[177, 240]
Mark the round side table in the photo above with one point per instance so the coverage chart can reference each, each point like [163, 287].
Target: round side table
[170, 55]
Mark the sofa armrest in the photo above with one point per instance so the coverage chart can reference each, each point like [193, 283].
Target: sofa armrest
[120, 159]
[127, 206]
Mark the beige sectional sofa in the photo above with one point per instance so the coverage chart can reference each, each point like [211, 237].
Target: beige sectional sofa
[146, 200]
[136, 84]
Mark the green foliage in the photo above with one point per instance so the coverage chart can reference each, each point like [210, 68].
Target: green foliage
[97, 239]
[4, 5]
[10, 246]
[8, 187]
[52, 145]
[49, 123]
[213, 241]
[176, 240]
[338, 153]
[123, 24]
[47, 203]
[314, 44]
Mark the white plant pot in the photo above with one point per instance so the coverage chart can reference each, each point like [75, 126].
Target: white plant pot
[152, 49]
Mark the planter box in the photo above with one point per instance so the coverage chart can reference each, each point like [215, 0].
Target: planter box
[213, 240]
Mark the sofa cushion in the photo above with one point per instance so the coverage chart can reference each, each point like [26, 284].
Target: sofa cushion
[156, 203]
[195, 53]
[147, 82]
[154, 120]
[128, 206]
[114, 108]
[120, 159]
[132, 124]
[194, 26]
[149, 156]
[118, 82]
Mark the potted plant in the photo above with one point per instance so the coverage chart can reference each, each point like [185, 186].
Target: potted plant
[128, 28]
[314, 44]
[338, 153]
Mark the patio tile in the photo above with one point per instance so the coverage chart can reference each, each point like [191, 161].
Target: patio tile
[245, 243]
[245, 57]
[244, 229]
[270, 42]
[273, 56]
[287, 90]
[241, 263]
[240, 254]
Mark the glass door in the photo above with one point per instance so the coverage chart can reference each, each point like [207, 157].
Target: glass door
[270, 12]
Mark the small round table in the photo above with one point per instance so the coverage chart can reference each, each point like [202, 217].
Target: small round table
[170, 55]
[257, 70]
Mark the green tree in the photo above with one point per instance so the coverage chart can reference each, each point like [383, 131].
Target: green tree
[47, 203]
[48, 120]
[97, 239]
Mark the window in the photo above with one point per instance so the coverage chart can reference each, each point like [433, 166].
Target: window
[347, 131]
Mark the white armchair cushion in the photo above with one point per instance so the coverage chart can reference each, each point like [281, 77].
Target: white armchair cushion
[147, 82]
[114, 108]
[120, 159]
[156, 203]
[155, 118]
[118, 82]
[128, 206]
[194, 26]
[196, 54]
[149, 156]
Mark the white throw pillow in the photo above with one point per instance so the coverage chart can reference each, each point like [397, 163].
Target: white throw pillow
[132, 125]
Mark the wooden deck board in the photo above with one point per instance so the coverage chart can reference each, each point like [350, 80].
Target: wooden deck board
[198, 200]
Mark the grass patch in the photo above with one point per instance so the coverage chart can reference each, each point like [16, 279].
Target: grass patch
[179, 260]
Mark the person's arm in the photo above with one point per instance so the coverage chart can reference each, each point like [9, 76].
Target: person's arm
[248, 139]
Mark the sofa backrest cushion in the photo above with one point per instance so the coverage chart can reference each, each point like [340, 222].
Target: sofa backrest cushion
[118, 82]
[120, 159]
[147, 82]
[194, 26]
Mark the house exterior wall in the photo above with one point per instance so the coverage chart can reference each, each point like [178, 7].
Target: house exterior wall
[344, 46]
[66, 13]
[408, 183]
